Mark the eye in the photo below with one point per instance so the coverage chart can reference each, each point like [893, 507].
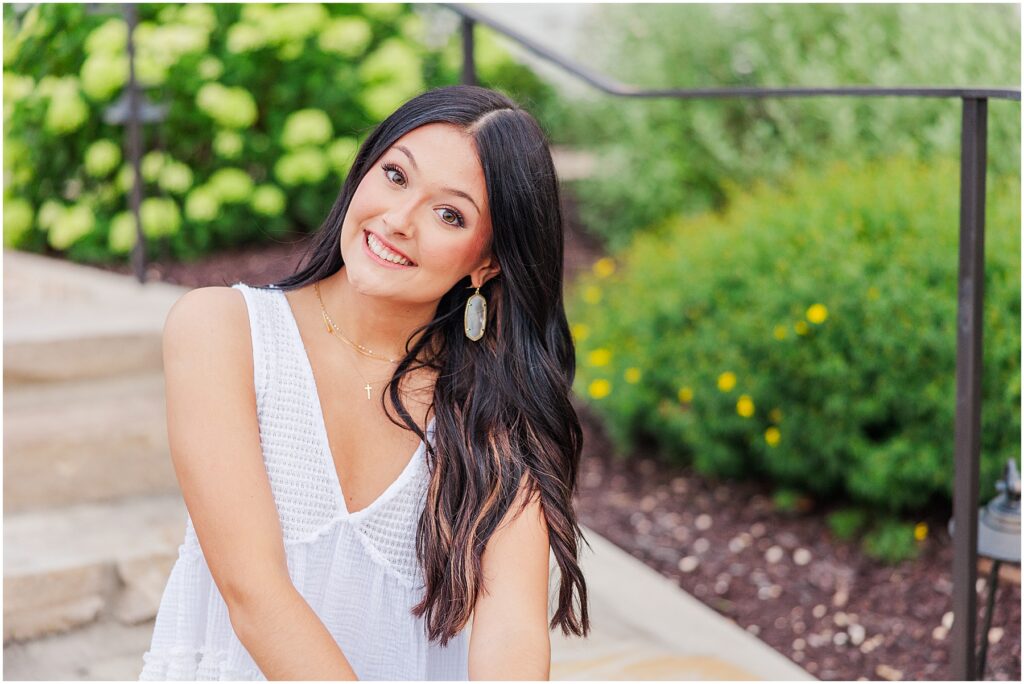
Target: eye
[459, 220]
[388, 168]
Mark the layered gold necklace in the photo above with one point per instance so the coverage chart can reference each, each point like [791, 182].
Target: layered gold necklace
[332, 328]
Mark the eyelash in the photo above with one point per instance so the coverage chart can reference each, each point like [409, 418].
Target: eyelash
[388, 166]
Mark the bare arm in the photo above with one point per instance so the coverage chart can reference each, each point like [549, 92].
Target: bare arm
[214, 439]
[510, 638]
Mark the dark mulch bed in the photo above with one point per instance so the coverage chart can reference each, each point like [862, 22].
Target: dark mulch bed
[783, 577]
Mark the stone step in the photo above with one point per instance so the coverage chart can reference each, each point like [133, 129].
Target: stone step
[87, 440]
[67, 321]
[105, 650]
[67, 567]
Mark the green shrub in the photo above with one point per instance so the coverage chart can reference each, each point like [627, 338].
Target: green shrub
[661, 156]
[891, 541]
[807, 336]
[266, 107]
[846, 522]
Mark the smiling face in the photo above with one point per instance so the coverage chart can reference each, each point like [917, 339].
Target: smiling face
[419, 221]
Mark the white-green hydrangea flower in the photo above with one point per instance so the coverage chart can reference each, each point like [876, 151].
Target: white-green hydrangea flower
[306, 127]
[412, 27]
[202, 204]
[160, 216]
[67, 110]
[103, 74]
[380, 101]
[230, 185]
[152, 163]
[295, 22]
[122, 236]
[125, 179]
[17, 220]
[110, 38]
[150, 69]
[198, 15]
[268, 199]
[346, 36]
[76, 222]
[175, 177]
[210, 68]
[227, 144]
[382, 11]
[305, 165]
[341, 153]
[229, 107]
[101, 158]
[393, 60]
[245, 38]
[49, 214]
[16, 87]
[290, 50]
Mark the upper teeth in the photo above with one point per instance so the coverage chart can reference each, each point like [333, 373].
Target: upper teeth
[383, 252]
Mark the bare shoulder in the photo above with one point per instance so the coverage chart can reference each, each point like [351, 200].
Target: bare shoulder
[209, 326]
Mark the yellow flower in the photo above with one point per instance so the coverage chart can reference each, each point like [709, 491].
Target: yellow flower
[632, 375]
[599, 389]
[817, 313]
[580, 331]
[726, 381]
[772, 436]
[685, 395]
[873, 292]
[599, 357]
[745, 406]
[800, 327]
[775, 415]
[591, 294]
[780, 332]
[921, 531]
[604, 267]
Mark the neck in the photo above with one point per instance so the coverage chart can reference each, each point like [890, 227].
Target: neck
[380, 325]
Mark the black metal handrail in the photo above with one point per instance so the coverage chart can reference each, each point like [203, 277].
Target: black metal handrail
[970, 292]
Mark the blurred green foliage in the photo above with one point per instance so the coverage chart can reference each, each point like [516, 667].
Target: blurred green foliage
[845, 523]
[267, 105]
[657, 157]
[807, 335]
[891, 541]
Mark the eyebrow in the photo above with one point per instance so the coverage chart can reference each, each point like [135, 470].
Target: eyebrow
[453, 191]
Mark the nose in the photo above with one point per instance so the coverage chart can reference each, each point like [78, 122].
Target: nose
[399, 219]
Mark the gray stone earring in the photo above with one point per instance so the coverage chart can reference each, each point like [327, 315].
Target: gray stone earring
[475, 318]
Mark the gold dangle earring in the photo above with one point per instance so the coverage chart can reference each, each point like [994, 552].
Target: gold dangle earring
[475, 317]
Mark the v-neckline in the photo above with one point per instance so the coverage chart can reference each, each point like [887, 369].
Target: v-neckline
[331, 464]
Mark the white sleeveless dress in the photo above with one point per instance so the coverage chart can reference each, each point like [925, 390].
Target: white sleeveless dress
[357, 571]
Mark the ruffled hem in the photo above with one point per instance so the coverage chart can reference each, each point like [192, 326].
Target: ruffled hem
[195, 664]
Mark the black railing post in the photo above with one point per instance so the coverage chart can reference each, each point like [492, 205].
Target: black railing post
[967, 433]
[134, 130]
[468, 63]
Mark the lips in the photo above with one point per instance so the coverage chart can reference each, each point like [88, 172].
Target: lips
[390, 247]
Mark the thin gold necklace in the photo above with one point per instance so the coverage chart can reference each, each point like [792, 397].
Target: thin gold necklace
[332, 328]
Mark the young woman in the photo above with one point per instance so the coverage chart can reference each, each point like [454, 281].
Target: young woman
[428, 320]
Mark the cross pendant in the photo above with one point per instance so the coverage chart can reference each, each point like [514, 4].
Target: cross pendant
[367, 388]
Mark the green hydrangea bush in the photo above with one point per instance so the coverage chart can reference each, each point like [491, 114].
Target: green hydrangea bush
[266, 106]
[807, 335]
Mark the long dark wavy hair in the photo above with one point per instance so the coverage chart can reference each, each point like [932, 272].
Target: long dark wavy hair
[501, 405]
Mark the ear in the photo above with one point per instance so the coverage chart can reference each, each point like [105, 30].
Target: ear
[485, 271]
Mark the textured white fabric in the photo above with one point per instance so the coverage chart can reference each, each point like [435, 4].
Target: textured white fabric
[357, 571]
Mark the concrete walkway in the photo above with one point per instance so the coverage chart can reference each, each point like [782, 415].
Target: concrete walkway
[76, 608]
